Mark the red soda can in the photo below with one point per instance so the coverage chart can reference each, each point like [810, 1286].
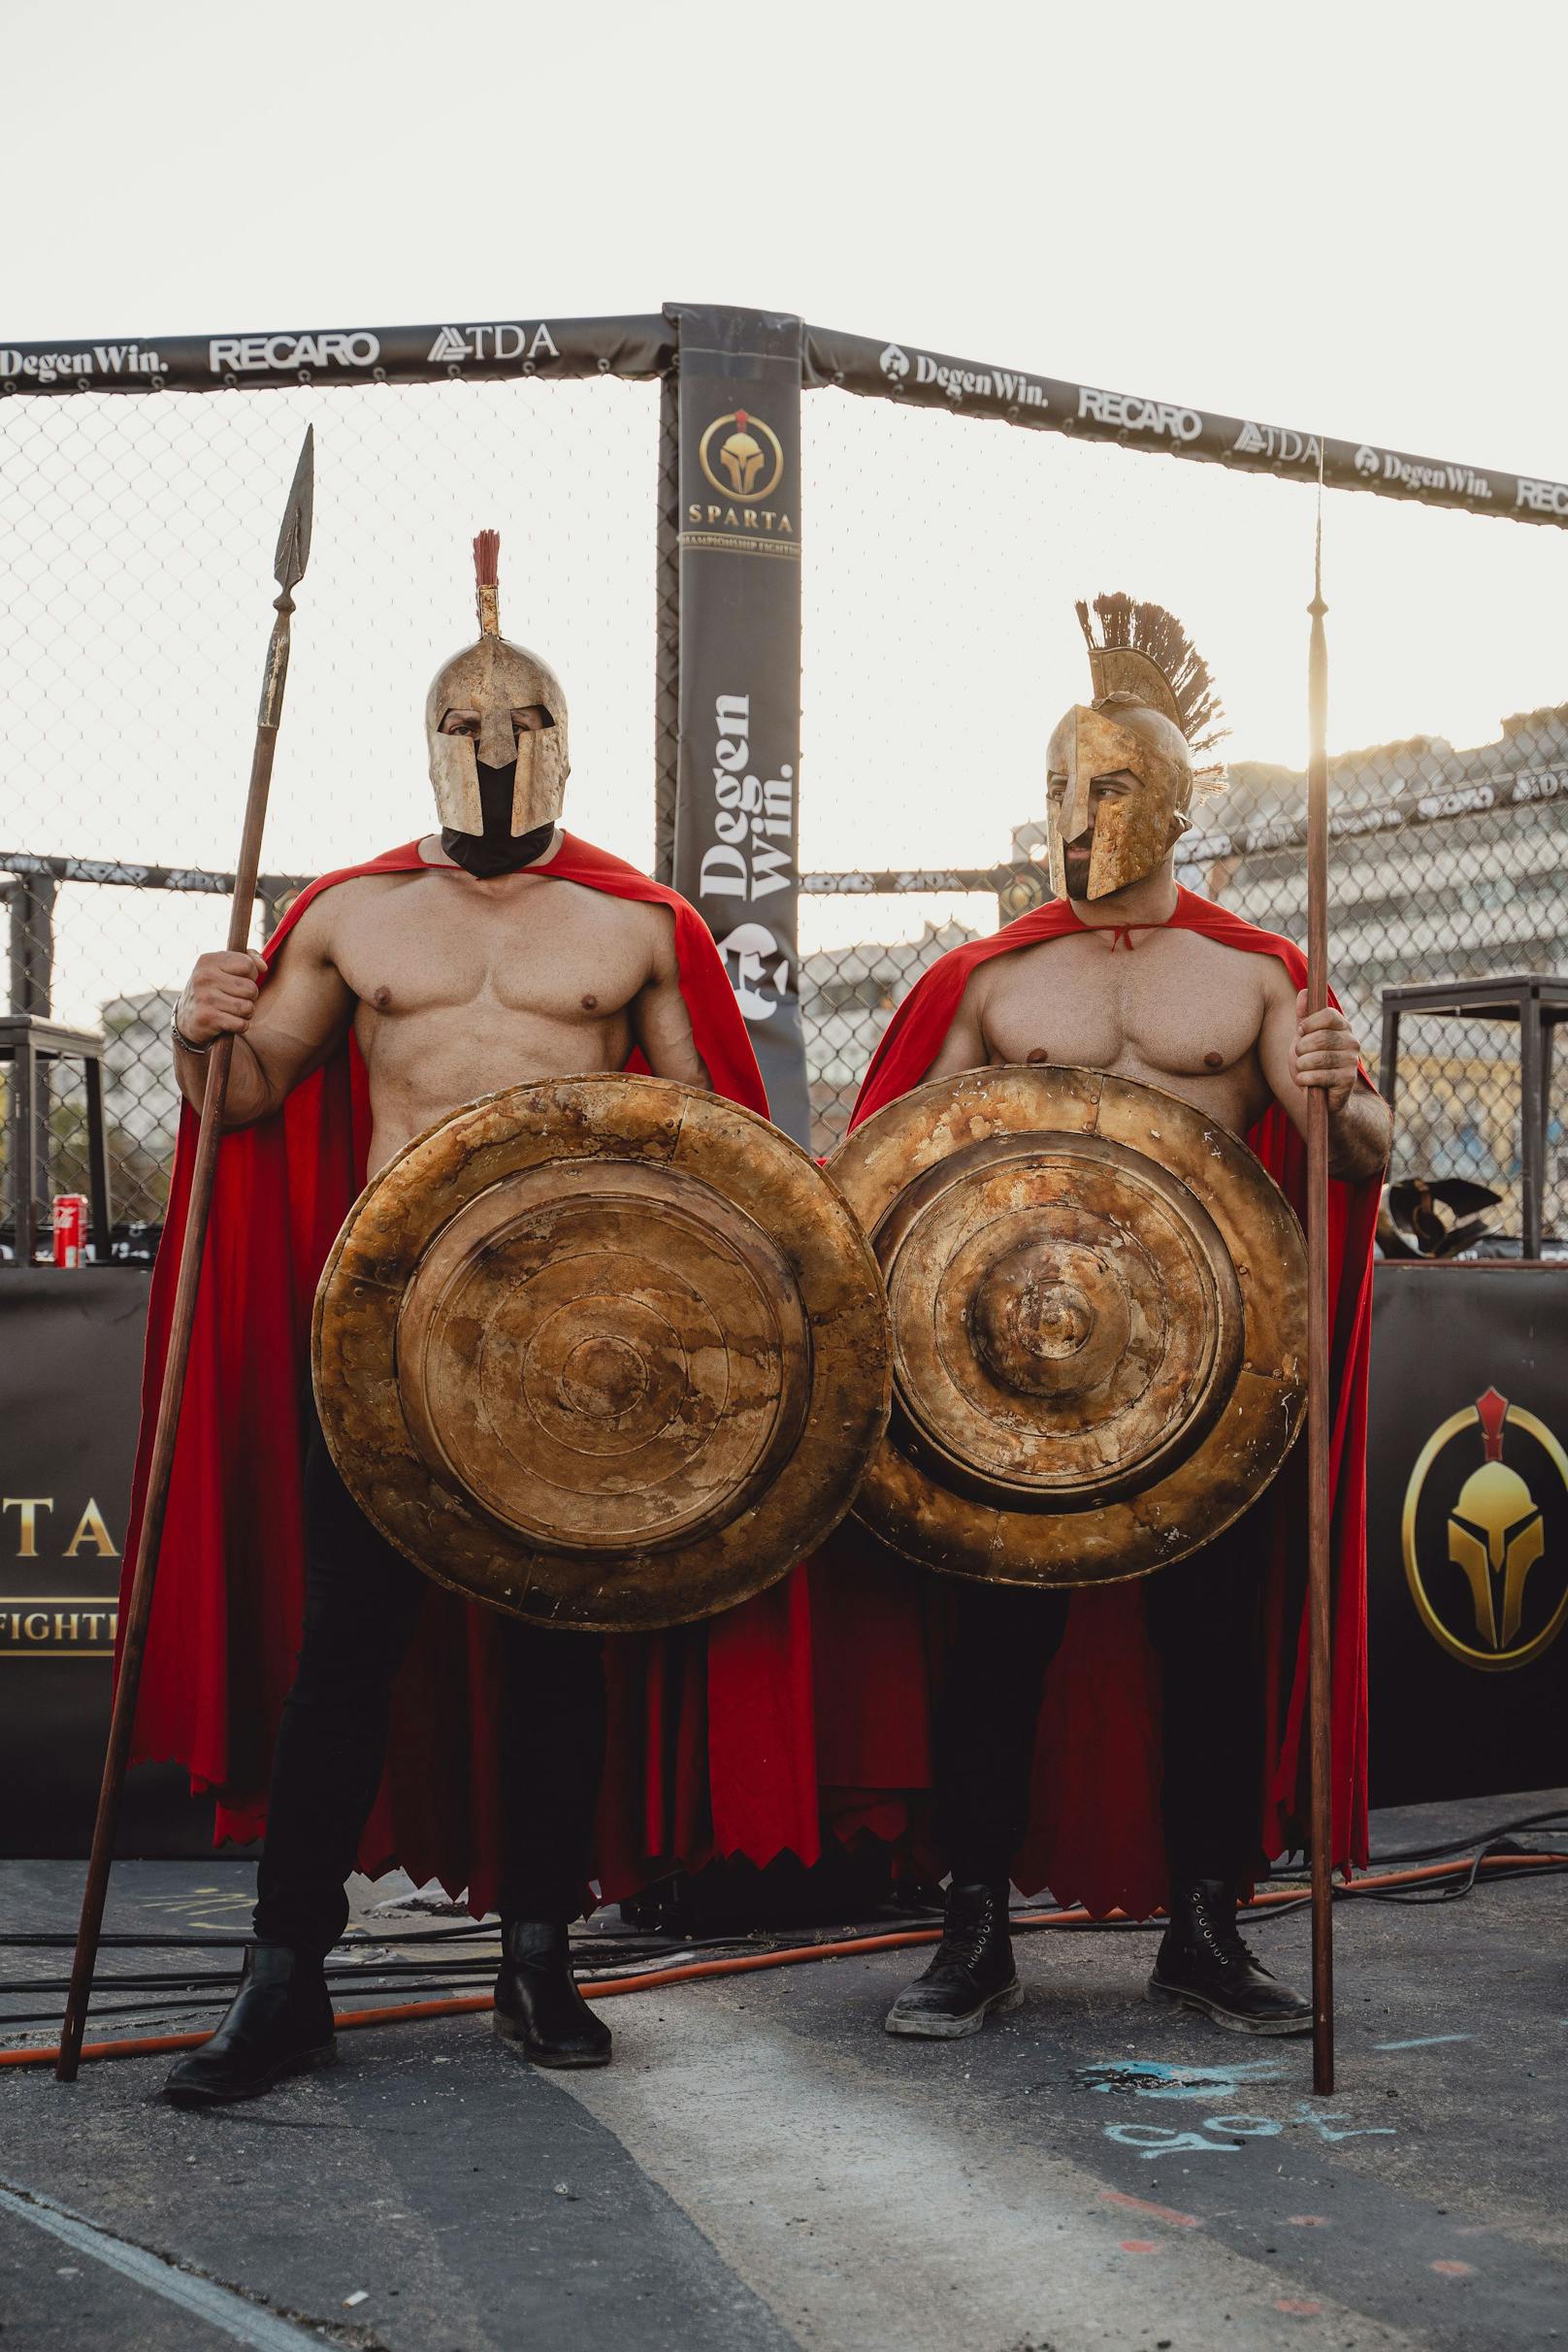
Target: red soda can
[69, 1228]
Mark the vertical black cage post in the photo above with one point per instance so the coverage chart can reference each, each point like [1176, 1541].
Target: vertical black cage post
[738, 747]
[667, 623]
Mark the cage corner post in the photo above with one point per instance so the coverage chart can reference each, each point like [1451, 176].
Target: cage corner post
[736, 547]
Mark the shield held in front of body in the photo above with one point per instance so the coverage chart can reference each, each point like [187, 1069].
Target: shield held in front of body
[608, 1353]
[1099, 1309]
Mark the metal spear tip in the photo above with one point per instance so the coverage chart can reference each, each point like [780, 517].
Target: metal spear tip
[294, 539]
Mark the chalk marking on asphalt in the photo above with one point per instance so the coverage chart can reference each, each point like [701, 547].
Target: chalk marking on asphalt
[1423, 2041]
[245, 2322]
[1141, 2205]
[1154, 2078]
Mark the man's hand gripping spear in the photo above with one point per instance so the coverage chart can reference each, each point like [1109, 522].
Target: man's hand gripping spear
[288, 569]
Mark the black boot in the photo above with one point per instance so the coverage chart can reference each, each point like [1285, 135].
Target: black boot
[280, 2023]
[971, 1970]
[538, 2005]
[1203, 1964]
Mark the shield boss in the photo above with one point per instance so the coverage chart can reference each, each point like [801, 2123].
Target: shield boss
[1098, 1305]
[605, 1353]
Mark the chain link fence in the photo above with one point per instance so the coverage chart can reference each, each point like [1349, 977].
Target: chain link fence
[947, 556]
[943, 560]
[133, 620]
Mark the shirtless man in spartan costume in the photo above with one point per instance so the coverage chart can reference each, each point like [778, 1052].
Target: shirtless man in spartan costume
[498, 950]
[1128, 974]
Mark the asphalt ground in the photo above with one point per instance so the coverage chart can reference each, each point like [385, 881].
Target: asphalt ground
[762, 2166]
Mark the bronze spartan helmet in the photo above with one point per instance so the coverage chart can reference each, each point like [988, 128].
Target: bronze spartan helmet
[496, 677]
[1153, 706]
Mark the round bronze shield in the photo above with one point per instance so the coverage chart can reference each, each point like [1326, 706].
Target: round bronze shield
[1098, 1305]
[605, 1353]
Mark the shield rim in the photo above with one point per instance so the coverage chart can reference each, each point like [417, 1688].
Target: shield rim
[900, 1502]
[835, 1269]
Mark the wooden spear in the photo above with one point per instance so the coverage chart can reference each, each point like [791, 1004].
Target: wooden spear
[288, 569]
[1320, 1410]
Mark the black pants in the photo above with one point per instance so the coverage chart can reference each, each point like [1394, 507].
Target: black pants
[1203, 1616]
[362, 1599]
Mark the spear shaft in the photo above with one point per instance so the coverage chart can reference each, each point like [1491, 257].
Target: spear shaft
[1319, 1648]
[288, 569]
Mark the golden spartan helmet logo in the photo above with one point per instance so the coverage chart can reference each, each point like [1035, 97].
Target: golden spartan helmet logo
[749, 455]
[1497, 1535]
[742, 457]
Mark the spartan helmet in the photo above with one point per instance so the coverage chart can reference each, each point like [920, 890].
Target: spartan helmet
[496, 677]
[1153, 706]
[1495, 1530]
[742, 456]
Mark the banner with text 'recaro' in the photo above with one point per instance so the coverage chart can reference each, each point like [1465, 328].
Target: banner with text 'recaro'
[740, 735]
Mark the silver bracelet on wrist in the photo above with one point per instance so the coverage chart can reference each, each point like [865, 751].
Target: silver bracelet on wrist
[188, 1045]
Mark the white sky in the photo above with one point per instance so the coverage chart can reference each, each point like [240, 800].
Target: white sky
[1349, 222]
[1349, 219]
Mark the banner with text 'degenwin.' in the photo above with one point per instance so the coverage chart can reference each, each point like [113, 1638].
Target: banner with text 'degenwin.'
[739, 731]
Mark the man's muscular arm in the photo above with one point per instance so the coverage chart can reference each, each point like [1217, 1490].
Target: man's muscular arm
[1297, 1051]
[965, 1047]
[279, 1036]
[660, 1020]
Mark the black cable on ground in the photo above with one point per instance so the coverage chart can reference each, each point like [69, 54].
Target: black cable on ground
[636, 1953]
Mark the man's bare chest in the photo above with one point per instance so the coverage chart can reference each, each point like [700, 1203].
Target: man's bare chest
[554, 955]
[1170, 1007]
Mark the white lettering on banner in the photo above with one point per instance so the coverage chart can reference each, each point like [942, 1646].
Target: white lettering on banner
[65, 367]
[1274, 833]
[1456, 803]
[1277, 442]
[1366, 821]
[253, 354]
[752, 856]
[508, 339]
[1546, 784]
[1542, 498]
[983, 383]
[1131, 414]
[1412, 474]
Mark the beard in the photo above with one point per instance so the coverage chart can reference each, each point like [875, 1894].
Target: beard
[1076, 858]
[496, 850]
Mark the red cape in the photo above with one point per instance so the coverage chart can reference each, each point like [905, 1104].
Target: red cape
[710, 1726]
[1095, 1830]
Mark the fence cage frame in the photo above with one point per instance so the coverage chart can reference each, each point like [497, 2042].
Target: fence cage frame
[708, 540]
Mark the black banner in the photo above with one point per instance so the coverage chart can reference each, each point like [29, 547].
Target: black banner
[738, 757]
[70, 1394]
[1467, 1530]
[475, 352]
[858, 363]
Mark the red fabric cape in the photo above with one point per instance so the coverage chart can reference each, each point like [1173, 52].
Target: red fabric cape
[710, 1726]
[1095, 1831]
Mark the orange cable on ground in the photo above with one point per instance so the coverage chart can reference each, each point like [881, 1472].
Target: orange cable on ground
[470, 2004]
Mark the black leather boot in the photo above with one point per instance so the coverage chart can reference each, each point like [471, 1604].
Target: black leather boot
[972, 1971]
[539, 2008]
[280, 2023]
[1203, 1964]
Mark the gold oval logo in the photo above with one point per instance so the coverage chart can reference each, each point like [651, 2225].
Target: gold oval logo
[749, 456]
[1479, 1597]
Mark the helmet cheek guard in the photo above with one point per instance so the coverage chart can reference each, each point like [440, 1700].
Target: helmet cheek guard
[494, 677]
[1154, 708]
[1132, 832]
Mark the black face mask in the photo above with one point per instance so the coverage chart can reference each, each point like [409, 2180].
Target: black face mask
[498, 850]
